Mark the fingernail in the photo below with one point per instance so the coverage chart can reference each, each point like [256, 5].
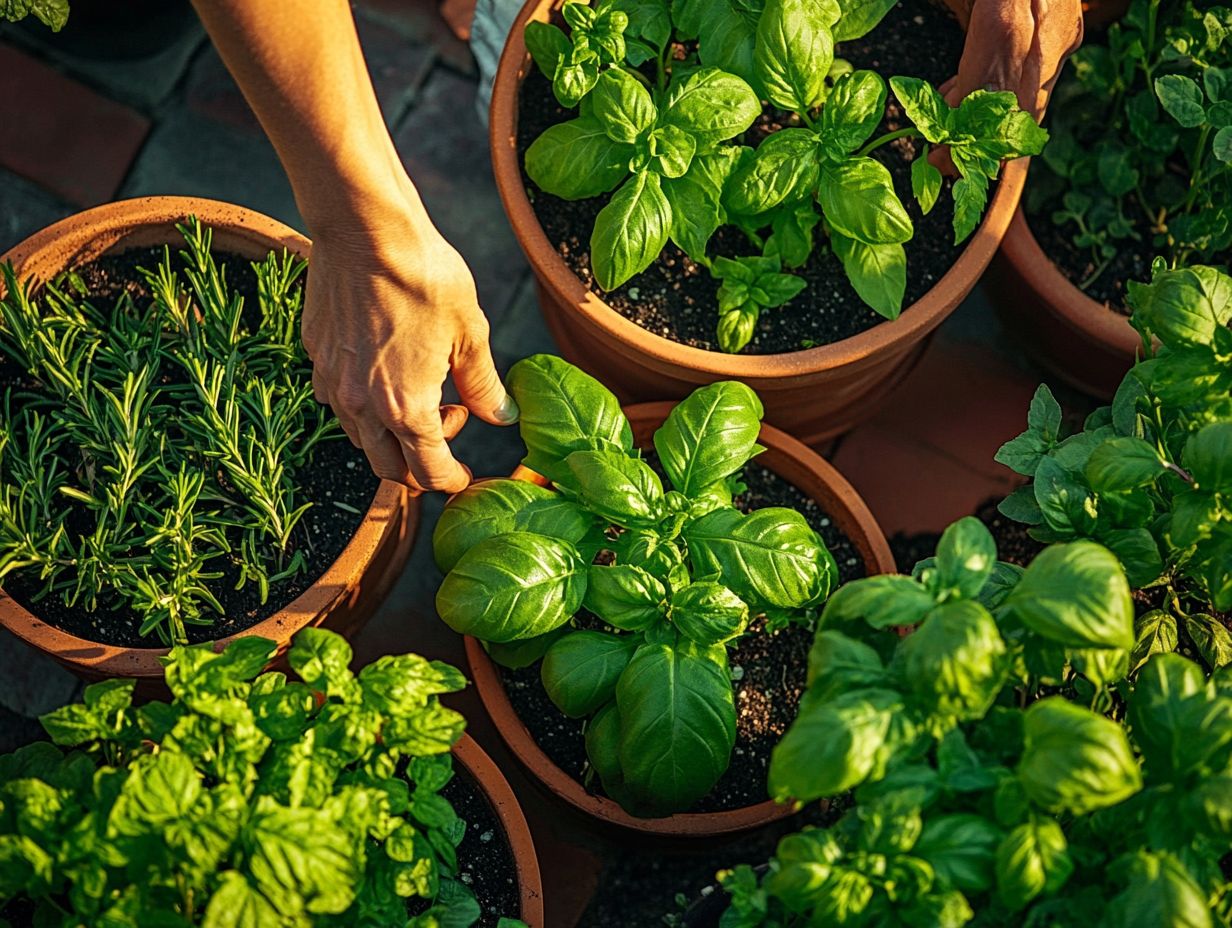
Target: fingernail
[508, 411]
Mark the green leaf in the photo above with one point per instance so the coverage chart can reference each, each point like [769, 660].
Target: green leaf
[557, 517]
[792, 236]
[859, 17]
[1182, 98]
[1160, 891]
[670, 150]
[237, 904]
[793, 53]
[1033, 860]
[1221, 145]
[622, 105]
[603, 751]
[854, 108]
[708, 612]
[625, 596]
[1181, 308]
[512, 587]
[617, 488]
[857, 198]
[961, 849]
[955, 663]
[398, 684]
[1211, 638]
[966, 555]
[1076, 595]
[1155, 632]
[970, 198]
[323, 660]
[1208, 457]
[51, 13]
[678, 726]
[877, 272]
[783, 169]
[925, 182]
[736, 327]
[159, 789]
[547, 45]
[1074, 760]
[576, 77]
[924, 106]
[1175, 725]
[709, 436]
[1123, 463]
[839, 664]
[711, 106]
[886, 601]
[519, 654]
[483, 510]
[630, 231]
[575, 160]
[727, 38]
[696, 200]
[300, 860]
[580, 670]
[833, 745]
[562, 410]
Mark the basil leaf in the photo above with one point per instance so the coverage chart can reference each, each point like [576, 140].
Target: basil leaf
[792, 238]
[1032, 860]
[1123, 463]
[558, 518]
[1161, 891]
[966, 555]
[737, 326]
[854, 108]
[1076, 595]
[518, 654]
[576, 77]
[793, 53]
[649, 22]
[575, 160]
[673, 151]
[616, 487]
[885, 601]
[709, 436]
[1211, 638]
[630, 231]
[512, 587]
[711, 106]
[622, 105]
[878, 273]
[925, 182]
[955, 662]
[563, 409]
[1181, 308]
[483, 510]
[678, 725]
[1074, 760]
[1175, 724]
[857, 198]
[296, 854]
[708, 612]
[924, 106]
[1208, 457]
[547, 45]
[603, 750]
[696, 200]
[783, 168]
[1155, 632]
[625, 596]
[839, 664]
[970, 198]
[769, 556]
[961, 849]
[727, 38]
[580, 670]
[1182, 98]
[859, 17]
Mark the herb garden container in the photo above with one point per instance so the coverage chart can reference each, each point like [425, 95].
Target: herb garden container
[504, 805]
[813, 393]
[798, 465]
[1085, 343]
[349, 588]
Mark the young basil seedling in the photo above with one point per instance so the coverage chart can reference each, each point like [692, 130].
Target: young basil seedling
[669, 574]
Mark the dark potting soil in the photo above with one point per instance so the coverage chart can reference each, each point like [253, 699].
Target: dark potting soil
[770, 670]
[338, 477]
[676, 298]
[485, 858]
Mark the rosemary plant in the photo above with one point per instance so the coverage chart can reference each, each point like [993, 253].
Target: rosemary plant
[153, 447]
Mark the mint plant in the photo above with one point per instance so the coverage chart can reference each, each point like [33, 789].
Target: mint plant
[248, 799]
[1004, 771]
[672, 576]
[1142, 148]
[661, 126]
[144, 447]
[1150, 476]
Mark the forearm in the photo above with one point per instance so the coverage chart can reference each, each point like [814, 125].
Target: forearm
[300, 66]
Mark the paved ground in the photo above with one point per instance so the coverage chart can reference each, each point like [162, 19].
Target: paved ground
[75, 133]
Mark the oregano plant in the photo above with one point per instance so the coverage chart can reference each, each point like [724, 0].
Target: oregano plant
[628, 589]
[662, 127]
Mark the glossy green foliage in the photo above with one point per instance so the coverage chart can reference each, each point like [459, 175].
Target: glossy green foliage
[1142, 151]
[663, 135]
[980, 797]
[669, 568]
[250, 799]
[51, 13]
[1149, 477]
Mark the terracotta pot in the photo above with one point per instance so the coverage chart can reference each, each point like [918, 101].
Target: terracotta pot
[798, 465]
[813, 394]
[1082, 342]
[350, 588]
[504, 804]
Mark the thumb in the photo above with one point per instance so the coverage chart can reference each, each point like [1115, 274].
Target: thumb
[479, 385]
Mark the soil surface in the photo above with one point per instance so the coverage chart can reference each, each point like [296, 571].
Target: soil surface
[676, 298]
[771, 673]
[339, 484]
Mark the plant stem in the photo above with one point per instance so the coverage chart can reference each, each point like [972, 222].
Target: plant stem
[904, 133]
[807, 120]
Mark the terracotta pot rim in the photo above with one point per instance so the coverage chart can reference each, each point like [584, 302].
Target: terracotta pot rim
[915, 321]
[847, 510]
[1094, 320]
[505, 806]
[81, 232]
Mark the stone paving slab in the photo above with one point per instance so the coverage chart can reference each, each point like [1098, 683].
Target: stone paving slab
[25, 208]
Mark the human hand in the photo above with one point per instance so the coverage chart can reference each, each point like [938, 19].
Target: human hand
[390, 311]
[1017, 45]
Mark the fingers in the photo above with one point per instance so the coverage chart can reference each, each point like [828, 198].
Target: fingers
[453, 417]
[427, 456]
[479, 385]
[384, 452]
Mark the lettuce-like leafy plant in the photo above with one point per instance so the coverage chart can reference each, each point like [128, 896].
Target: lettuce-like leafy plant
[1142, 148]
[148, 446]
[247, 800]
[1150, 476]
[665, 91]
[979, 797]
[673, 575]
